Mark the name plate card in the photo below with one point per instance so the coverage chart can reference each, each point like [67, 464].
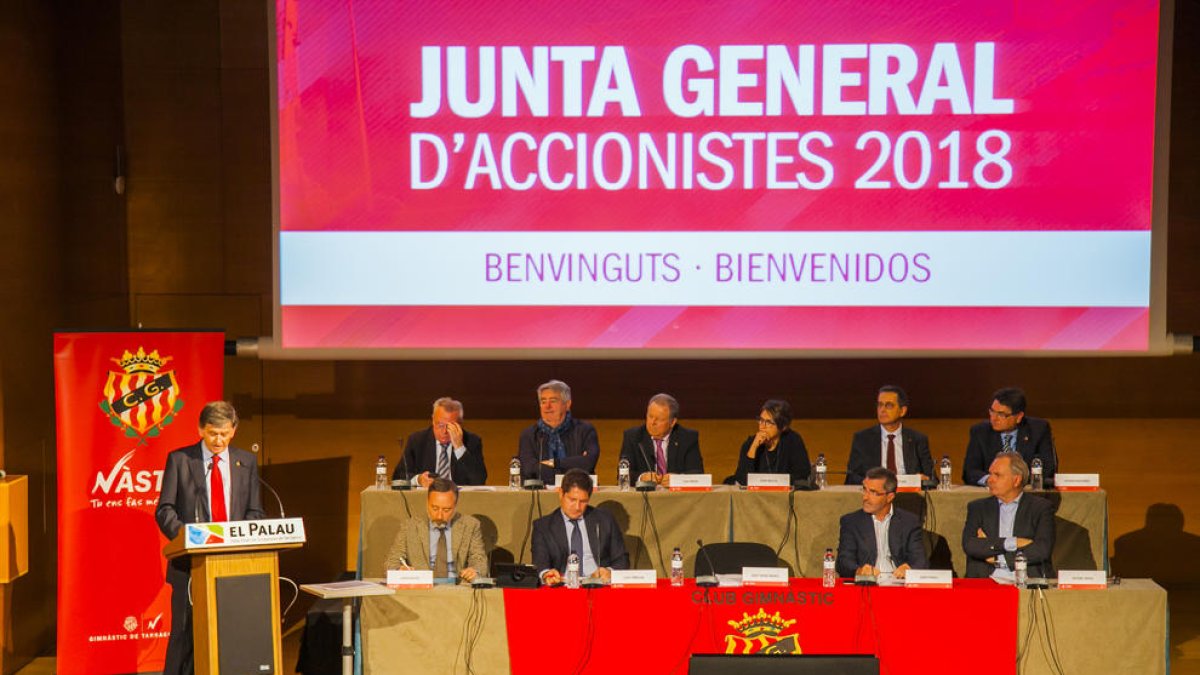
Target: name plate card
[768, 482]
[908, 482]
[1077, 482]
[410, 578]
[764, 576]
[558, 481]
[634, 579]
[928, 579]
[244, 533]
[1082, 579]
[690, 482]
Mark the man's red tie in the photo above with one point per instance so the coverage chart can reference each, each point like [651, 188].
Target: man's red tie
[216, 488]
[891, 458]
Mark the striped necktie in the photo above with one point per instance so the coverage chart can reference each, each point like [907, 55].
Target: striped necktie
[443, 461]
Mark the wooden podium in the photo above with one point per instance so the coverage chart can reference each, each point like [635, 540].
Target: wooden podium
[235, 591]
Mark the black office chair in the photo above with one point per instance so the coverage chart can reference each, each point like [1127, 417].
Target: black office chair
[730, 557]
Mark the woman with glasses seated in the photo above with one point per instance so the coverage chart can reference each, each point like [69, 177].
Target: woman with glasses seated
[776, 448]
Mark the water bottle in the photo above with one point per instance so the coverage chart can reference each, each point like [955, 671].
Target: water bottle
[828, 570]
[623, 474]
[572, 578]
[1035, 474]
[381, 477]
[820, 472]
[944, 473]
[1020, 569]
[514, 474]
[677, 567]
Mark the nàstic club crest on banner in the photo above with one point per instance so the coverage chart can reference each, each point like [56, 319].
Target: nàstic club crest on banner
[762, 633]
[141, 398]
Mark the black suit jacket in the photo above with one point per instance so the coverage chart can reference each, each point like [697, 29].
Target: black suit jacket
[856, 541]
[551, 548]
[683, 451]
[866, 449]
[420, 455]
[1034, 439]
[583, 451]
[1034, 520]
[184, 499]
[790, 457]
[185, 494]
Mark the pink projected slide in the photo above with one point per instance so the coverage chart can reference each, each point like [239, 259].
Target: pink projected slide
[867, 175]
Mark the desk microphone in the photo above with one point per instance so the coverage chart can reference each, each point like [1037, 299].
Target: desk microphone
[535, 482]
[706, 580]
[404, 483]
[645, 485]
[254, 449]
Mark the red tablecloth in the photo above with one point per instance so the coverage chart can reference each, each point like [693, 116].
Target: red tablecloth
[920, 631]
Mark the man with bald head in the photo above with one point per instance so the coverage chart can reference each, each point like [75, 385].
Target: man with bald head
[1008, 521]
[661, 446]
[444, 449]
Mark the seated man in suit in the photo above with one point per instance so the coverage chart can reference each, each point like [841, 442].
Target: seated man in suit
[889, 444]
[441, 540]
[1008, 429]
[879, 539]
[1008, 521]
[443, 450]
[575, 526]
[557, 442]
[660, 446]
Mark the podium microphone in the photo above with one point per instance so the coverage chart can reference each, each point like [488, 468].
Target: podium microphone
[200, 494]
[707, 580]
[254, 449]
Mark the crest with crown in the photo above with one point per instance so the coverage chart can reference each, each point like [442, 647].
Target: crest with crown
[762, 633]
[140, 395]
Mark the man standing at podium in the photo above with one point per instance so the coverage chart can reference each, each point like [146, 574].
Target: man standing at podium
[209, 481]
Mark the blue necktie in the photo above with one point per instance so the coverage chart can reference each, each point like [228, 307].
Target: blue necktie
[577, 541]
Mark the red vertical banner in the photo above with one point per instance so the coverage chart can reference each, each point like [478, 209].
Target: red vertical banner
[124, 400]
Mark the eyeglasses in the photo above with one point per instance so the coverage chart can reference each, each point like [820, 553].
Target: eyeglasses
[763, 422]
[875, 493]
[1000, 413]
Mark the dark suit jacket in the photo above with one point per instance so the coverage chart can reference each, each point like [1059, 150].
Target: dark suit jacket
[583, 451]
[420, 454]
[1035, 520]
[551, 548]
[412, 544]
[865, 452]
[856, 541]
[683, 451]
[1034, 439]
[185, 494]
[184, 499]
[790, 457]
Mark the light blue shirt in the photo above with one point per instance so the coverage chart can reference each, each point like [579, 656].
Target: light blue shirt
[883, 551]
[587, 563]
[223, 467]
[1008, 516]
[433, 537]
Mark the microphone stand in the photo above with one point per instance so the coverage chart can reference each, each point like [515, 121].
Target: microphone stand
[404, 483]
[535, 482]
[646, 485]
[278, 501]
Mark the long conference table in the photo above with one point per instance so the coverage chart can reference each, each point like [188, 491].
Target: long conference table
[800, 525]
[977, 624]
[978, 627]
